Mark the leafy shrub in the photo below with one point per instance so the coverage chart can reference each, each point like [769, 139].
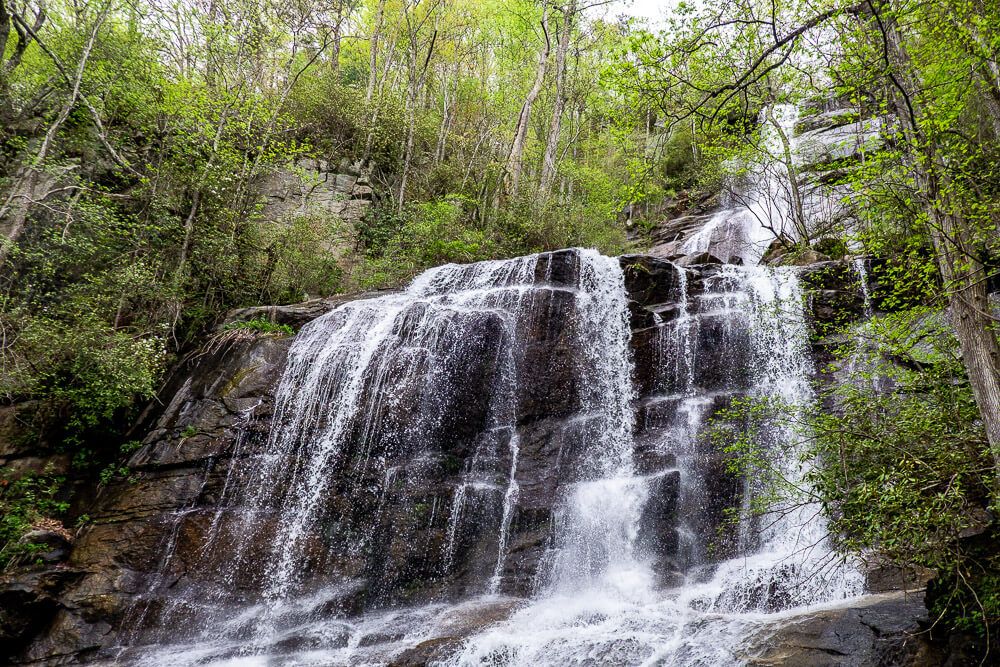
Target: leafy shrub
[906, 471]
[27, 502]
[84, 373]
[260, 325]
[895, 452]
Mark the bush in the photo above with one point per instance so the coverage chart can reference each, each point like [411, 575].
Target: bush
[895, 452]
[906, 472]
[261, 325]
[27, 502]
[84, 373]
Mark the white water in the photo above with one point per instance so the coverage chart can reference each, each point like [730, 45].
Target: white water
[600, 597]
[608, 610]
[861, 270]
[758, 206]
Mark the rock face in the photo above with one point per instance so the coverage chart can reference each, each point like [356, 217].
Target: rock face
[880, 631]
[155, 551]
[77, 607]
[319, 188]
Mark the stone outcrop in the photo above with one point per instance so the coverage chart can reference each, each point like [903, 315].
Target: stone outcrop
[320, 188]
[885, 630]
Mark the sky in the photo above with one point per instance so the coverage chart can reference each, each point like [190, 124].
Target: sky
[648, 9]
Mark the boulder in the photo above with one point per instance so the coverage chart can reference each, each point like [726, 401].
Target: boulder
[878, 631]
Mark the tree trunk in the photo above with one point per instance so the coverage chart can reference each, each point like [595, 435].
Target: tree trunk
[559, 104]
[417, 77]
[515, 158]
[798, 215]
[969, 305]
[14, 210]
[954, 241]
[373, 45]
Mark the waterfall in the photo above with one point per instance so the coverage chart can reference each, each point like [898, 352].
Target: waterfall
[483, 438]
[758, 202]
[789, 564]
[860, 268]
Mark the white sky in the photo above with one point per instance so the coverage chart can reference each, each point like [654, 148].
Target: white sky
[654, 10]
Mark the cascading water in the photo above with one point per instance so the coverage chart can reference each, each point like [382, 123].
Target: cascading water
[378, 394]
[758, 207]
[616, 613]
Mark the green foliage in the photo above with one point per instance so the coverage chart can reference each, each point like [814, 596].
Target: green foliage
[895, 453]
[261, 325]
[117, 469]
[27, 501]
[448, 229]
[906, 472]
[85, 372]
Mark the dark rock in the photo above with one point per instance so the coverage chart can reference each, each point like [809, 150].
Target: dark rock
[24, 614]
[658, 524]
[650, 280]
[427, 652]
[649, 460]
[28, 604]
[878, 631]
[701, 258]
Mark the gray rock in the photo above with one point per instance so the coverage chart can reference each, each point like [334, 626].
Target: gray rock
[878, 631]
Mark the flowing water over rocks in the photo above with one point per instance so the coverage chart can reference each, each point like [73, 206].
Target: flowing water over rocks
[505, 464]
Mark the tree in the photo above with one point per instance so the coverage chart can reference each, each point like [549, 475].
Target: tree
[515, 158]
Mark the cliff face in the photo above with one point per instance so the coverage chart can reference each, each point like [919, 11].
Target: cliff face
[145, 547]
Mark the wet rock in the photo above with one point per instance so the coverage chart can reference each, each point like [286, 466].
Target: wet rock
[879, 631]
[701, 258]
[651, 460]
[427, 652]
[650, 280]
[419, 507]
[453, 628]
[561, 268]
[658, 523]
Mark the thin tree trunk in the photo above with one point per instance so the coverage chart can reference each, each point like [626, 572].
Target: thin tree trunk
[798, 215]
[416, 86]
[515, 158]
[19, 201]
[373, 47]
[559, 104]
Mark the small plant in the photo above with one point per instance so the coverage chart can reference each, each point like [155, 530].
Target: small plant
[27, 502]
[261, 325]
[189, 431]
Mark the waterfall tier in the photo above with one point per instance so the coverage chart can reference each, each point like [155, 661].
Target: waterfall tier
[510, 452]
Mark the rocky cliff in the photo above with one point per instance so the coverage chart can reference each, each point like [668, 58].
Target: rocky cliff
[144, 548]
